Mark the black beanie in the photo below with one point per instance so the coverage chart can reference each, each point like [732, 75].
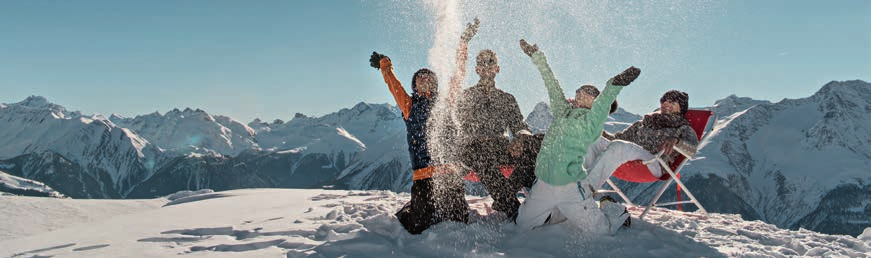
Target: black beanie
[682, 99]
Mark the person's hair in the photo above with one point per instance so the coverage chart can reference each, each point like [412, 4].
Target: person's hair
[593, 91]
[589, 90]
[486, 58]
[680, 97]
[422, 72]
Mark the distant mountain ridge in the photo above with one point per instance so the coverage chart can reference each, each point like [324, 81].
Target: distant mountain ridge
[154, 154]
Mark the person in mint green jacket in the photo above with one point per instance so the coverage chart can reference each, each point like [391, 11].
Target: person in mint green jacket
[556, 197]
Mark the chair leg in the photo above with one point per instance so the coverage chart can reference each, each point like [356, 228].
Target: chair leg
[664, 187]
[619, 192]
[656, 198]
[674, 175]
[689, 194]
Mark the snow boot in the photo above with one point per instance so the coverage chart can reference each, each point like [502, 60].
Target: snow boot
[617, 214]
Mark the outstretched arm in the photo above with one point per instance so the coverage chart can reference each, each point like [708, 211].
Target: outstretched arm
[558, 103]
[455, 85]
[602, 104]
[403, 100]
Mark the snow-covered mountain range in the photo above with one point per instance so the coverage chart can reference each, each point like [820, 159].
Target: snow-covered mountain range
[794, 163]
[151, 155]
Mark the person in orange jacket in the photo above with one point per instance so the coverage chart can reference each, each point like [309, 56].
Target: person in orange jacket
[437, 190]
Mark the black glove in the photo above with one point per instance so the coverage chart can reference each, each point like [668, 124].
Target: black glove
[626, 77]
[528, 49]
[375, 60]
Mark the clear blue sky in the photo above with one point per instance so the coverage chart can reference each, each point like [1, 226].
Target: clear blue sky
[271, 59]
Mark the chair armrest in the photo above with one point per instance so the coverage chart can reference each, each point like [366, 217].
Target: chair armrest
[688, 154]
[655, 157]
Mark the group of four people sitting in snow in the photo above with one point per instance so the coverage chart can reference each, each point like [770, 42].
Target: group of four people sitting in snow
[448, 135]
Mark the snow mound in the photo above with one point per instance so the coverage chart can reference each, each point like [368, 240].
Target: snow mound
[12, 185]
[187, 193]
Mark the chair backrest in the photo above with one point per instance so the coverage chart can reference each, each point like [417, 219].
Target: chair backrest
[699, 120]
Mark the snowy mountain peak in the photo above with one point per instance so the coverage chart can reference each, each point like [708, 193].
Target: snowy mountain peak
[845, 118]
[733, 104]
[844, 87]
[114, 116]
[192, 130]
[540, 118]
[35, 102]
[850, 96]
[40, 105]
[541, 106]
[362, 106]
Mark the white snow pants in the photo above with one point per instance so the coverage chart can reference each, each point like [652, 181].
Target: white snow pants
[617, 153]
[561, 203]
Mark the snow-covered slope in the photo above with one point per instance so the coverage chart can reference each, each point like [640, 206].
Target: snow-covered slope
[14, 185]
[329, 223]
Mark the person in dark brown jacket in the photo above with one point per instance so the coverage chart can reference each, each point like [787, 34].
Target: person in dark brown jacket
[485, 113]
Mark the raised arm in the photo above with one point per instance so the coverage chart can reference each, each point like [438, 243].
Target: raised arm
[602, 104]
[558, 103]
[455, 86]
[403, 100]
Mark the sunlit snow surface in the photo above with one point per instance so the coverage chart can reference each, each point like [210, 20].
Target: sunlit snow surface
[331, 223]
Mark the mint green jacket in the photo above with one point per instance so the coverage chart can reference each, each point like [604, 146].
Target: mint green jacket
[561, 159]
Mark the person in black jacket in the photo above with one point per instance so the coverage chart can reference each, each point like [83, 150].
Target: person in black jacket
[485, 112]
[437, 190]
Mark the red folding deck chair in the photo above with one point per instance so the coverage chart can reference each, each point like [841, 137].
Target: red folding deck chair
[636, 170]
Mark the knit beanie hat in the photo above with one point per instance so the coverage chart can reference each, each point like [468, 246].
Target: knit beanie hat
[682, 99]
